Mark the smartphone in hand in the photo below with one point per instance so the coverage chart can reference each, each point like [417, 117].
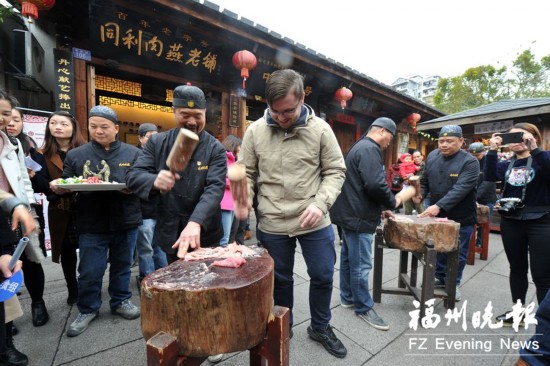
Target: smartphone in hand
[511, 137]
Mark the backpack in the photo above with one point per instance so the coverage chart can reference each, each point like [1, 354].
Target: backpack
[393, 178]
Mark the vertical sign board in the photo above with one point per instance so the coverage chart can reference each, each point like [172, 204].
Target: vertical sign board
[234, 112]
[64, 81]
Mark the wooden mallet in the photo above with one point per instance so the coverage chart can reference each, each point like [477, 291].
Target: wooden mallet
[181, 152]
[239, 189]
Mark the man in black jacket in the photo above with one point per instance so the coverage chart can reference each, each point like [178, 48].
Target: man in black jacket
[450, 177]
[189, 214]
[357, 211]
[106, 221]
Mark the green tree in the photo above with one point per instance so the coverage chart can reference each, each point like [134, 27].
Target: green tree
[530, 79]
[482, 85]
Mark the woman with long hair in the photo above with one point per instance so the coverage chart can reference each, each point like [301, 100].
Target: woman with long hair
[32, 266]
[62, 135]
[525, 211]
[15, 180]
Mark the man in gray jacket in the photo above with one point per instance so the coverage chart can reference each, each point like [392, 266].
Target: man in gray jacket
[296, 162]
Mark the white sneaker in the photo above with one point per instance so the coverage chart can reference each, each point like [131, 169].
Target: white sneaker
[127, 310]
[80, 324]
[215, 358]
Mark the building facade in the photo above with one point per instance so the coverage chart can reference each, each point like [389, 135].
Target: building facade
[130, 55]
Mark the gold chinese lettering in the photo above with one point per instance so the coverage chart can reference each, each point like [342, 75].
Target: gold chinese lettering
[64, 71]
[63, 61]
[154, 45]
[209, 62]
[194, 59]
[167, 31]
[110, 31]
[187, 38]
[174, 53]
[120, 15]
[145, 24]
[65, 88]
[63, 96]
[63, 79]
[65, 105]
[308, 90]
[131, 40]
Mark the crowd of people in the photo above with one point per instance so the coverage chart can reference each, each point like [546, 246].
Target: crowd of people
[299, 185]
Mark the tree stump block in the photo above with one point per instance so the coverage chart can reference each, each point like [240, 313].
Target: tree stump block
[410, 233]
[482, 214]
[208, 309]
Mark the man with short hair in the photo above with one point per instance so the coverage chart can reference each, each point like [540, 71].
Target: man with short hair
[107, 221]
[189, 209]
[357, 211]
[486, 190]
[150, 256]
[450, 177]
[294, 159]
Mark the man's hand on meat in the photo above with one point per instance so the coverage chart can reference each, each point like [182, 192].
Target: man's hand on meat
[311, 216]
[189, 238]
[431, 211]
[165, 180]
[387, 214]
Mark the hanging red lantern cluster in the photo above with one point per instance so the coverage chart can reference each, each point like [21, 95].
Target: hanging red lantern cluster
[412, 119]
[343, 95]
[245, 61]
[30, 8]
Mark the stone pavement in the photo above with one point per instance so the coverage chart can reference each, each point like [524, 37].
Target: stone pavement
[111, 340]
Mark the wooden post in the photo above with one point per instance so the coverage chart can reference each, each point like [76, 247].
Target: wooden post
[274, 349]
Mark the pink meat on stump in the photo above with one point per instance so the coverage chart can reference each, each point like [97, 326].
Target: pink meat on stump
[230, 262]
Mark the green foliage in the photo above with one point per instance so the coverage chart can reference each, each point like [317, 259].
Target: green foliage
[5, 12]
[482, 85]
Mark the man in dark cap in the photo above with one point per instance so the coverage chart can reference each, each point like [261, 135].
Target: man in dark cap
[450, 177]
[145, 131]
[357, 211]
[486, 190]
[150, 256]
[293, 158]
[190, 206]
[107, 221]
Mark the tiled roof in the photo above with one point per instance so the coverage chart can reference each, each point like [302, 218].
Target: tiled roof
[496, 107]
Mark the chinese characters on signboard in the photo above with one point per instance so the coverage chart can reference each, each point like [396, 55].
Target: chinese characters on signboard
[126, 36]
[234, 114]
[64, 81]
[493, 127]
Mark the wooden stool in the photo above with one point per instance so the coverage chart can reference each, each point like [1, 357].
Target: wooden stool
[162, 348]
[483, 223]
[407, 285]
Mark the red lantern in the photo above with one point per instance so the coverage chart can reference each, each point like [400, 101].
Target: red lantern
[412, 119]
[30, 8]
[244, 60]
[343, 94]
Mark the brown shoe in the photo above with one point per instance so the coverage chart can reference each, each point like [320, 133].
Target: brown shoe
[247, 235]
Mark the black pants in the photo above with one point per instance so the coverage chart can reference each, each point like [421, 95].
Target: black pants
[527, 241]
[33, 275]
[69, 261]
